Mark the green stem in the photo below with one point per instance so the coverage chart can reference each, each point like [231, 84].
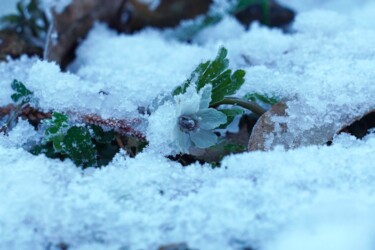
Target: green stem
[252, 106]
[266, 12]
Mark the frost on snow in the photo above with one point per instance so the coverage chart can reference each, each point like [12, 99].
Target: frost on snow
[313, 197]
[264, 200]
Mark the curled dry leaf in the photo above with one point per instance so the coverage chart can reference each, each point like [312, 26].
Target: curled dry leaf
[272, 130]
[168, 13]
[71, 25]
[360, 126]
[268, 131]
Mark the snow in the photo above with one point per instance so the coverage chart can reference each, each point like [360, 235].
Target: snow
[255, 199]
[7, 7]
[310, 197]
[152, 4]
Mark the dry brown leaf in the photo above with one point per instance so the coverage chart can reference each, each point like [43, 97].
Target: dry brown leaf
[360, 126]
[70, 26]
[14, 45]
[169, 13]
[267, 132]
[271, 130]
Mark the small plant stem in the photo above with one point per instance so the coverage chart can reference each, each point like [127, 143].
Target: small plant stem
[252, 106]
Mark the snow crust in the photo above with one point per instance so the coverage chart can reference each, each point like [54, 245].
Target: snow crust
[313, 197]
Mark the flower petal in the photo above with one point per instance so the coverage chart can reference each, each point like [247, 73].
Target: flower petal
[203, 138]
[189, 102]
[205, 96]
[211, 118]
[183, 141]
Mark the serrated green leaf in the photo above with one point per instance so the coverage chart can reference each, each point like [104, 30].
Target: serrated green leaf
[21, 9]
[46, 149]
[102, 136]
[57, 122]
[78, 146]
[228, 85]
[33, 6]
[215, 72]
[57, 142]
[56, 130]
[180, 89]
[29, 21]
[231, 114]
[12, 18]
[22, 94]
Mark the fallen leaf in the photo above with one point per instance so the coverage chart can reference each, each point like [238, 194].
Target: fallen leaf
[168, 13]
[268, 132]
[74, 22]
[360, 126]
[14, 45]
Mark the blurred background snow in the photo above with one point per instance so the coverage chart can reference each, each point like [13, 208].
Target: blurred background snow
[7, 7]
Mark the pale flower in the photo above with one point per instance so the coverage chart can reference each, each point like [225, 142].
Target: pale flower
[185, 122]
[196, 121]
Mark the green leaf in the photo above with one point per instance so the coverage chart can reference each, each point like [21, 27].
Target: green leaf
[56, 123]
[46, 149]
[234, 148]
[102, 136]
[56, 129]
[240, 5]
[216, 73]
[12, 18]
[254, 97]
[32, 7]
[22, 94]
[21, 9]
[231, 114]
[78, 146]
[187, 30]
[228, 86]
[30, 21]
[74, 142]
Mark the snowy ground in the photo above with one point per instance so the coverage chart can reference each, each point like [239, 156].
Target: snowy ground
[313, 197]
